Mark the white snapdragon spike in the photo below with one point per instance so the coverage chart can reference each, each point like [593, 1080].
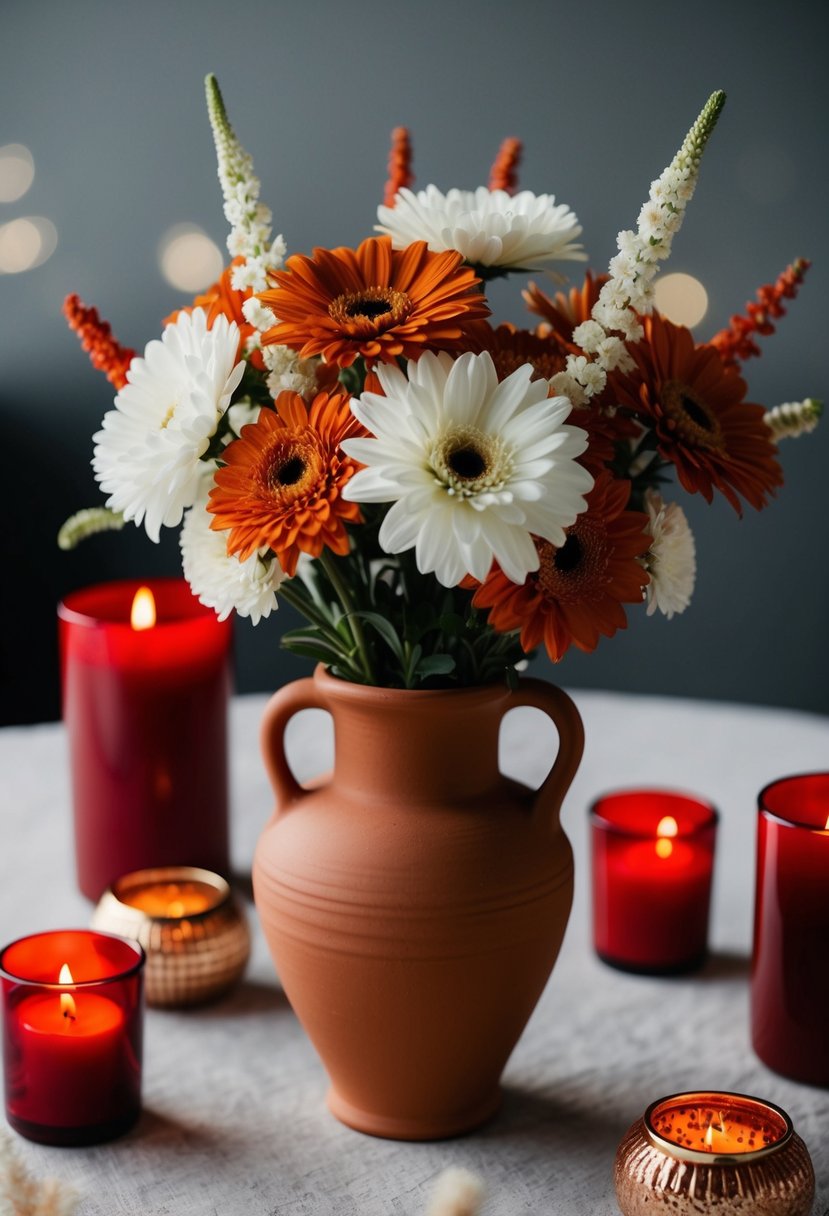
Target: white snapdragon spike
[250, 220]
[147, 456]
[219, 580]
[629, 291]
[794, 418]
[473, 468]
[671, 560]
[487, 227]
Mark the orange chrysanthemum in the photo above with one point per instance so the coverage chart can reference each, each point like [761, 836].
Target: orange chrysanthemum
[577, 593]
[106, 354]
[696, 405]
[281, 486]
[374, 301]
[221, 299]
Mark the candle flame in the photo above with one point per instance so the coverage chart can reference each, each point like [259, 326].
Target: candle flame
[665, 828]
[826, 829]
[67, 1001]
[176, 908]
[142, 615]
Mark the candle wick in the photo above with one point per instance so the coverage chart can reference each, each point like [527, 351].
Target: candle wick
[69, 1015]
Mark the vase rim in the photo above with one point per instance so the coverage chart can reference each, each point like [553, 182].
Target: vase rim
[350, 690]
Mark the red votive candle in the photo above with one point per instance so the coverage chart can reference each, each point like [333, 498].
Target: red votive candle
[653, 858]
[72, 1035]
[145, 706]
[790, 972]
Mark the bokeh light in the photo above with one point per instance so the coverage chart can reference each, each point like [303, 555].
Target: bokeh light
[17, 172]
[25, 243]
[190, 261]
[681, 298]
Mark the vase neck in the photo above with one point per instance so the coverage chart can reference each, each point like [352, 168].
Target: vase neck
[418, 746]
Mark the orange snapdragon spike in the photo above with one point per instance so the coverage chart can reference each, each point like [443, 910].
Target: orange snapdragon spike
[105, 352]
[736, 342]
[504, 172]
[400, 165]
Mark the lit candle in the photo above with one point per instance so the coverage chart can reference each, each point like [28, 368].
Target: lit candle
[194, 933]
[717, 1151]
[72, 1036]
[145, 688]
[653, 853]
[790, 972]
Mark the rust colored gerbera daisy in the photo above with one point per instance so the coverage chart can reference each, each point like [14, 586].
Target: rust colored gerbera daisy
[281, 486]
[562, 314]
[511, 348]
[374, 301]
[576, 595]
[696, 405]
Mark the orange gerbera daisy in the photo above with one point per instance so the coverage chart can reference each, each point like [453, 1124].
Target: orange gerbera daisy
[281, 486]
[374, 301]
[577, 593]
[695, 404]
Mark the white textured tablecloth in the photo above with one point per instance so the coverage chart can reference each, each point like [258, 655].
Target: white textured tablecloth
[234, 1119]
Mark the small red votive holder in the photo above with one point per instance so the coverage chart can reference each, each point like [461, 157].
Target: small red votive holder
[72, 1035]
[145, 708]
[652, 861]
[790, 971]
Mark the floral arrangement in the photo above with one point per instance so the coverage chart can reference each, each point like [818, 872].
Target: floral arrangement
[437, 495]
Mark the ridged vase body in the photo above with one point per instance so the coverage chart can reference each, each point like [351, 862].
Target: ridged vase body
[415, 900]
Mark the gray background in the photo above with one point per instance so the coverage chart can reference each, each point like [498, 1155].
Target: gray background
[108, 96]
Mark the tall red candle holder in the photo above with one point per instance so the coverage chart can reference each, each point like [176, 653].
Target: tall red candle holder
[145, 708]
[790, 971]
[72, 1035]
[652, 861]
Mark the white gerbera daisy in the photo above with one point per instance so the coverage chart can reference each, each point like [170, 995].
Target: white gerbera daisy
[521, 231]
[147, 455]
[219, 580]
[474, 468]
[671, 560]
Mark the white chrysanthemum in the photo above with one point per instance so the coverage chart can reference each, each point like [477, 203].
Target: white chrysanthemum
[473, 467]
[221, 581]
[671, 561]
[488, 227]
[457, 1192]
[147, 455]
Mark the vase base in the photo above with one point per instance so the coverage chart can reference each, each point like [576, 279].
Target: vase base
[435, 1128]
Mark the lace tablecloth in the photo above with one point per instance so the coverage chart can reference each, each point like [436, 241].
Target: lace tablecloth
[234, 1120]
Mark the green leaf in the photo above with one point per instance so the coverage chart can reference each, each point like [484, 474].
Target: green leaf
[435, 665]
[387, 632]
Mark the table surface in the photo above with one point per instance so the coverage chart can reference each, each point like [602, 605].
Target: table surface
[234, 1120]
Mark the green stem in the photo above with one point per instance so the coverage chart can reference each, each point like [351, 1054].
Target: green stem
[343, 594]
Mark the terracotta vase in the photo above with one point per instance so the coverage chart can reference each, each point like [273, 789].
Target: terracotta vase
[415, 900]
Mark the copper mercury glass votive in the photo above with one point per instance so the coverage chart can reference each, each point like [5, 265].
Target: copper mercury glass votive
[713, 1151]
[194, 933]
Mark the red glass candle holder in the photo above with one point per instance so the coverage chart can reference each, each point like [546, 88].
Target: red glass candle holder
[653, 859]
[146, 714]
[72, 1035]
[790, 972]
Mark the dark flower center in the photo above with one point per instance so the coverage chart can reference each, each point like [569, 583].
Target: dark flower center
[466, 463]
[370, 311]
[690, 416]
[290, 471]
[569, 555]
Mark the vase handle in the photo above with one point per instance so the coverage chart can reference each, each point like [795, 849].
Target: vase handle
[285, 702]
[556, 705]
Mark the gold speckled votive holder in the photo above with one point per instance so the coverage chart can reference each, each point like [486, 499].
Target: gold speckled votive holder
[713, 1152]
[194, 933]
